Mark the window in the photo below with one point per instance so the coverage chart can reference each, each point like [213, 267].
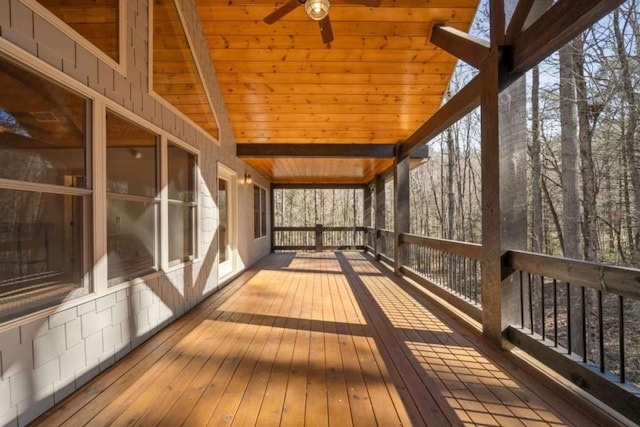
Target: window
[132, 200]
[182, 204]
[259, 212]
[45, 193]
[99, 25]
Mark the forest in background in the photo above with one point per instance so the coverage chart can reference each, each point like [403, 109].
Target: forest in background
[580, 119]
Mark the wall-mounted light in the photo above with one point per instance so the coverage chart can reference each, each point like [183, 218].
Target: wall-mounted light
[247, 178]
[135, 153]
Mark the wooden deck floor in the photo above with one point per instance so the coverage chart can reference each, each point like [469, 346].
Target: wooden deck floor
[316, 339]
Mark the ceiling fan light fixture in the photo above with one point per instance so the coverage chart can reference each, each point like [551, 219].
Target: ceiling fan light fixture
[317, 9]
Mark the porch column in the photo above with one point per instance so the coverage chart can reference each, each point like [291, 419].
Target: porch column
[401, 210]
[366, 212]
[504, 164]
[490, 172]
[380, 216]
[272, 218]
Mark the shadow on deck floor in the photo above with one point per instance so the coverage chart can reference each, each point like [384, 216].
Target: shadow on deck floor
[317, 339]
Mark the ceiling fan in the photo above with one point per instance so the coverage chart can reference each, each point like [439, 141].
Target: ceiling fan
[318, 10]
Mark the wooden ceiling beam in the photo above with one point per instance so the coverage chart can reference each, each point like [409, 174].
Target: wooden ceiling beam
[377, 151]
[471, 50]
[555, 28]
[518, 19]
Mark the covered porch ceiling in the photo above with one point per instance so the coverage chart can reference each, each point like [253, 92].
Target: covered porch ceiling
[376, 83]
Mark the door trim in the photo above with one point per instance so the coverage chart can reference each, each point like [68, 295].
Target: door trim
[231, 176]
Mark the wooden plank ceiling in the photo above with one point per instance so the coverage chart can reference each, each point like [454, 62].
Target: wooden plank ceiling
[375, 83]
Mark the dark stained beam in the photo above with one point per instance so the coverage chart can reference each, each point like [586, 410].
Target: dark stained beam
[320, 186]
[559, 25]
[555, 28]
[376, 151]
[460, 104]
[518, 19]
[471, 50]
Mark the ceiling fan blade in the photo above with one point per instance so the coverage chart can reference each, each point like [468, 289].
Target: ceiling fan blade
[325, 30]
[279, 13]
[371, 3]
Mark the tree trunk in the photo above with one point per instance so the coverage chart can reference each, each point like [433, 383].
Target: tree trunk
[536, 168]
[451, 200]
[570, 202]
[632, 113]
[587, 118]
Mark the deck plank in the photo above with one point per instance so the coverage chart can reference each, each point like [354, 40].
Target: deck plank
[316, 339]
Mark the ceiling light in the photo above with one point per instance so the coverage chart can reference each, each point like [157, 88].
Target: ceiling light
[317, 9]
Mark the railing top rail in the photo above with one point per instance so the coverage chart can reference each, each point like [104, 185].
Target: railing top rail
[313, 228]
[605, 277]
[466, 249]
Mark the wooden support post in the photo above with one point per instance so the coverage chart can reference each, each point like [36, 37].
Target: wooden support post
[272, 216]
[366, 212]
[380, 216]
[401, 211]
[490, 172]
[319, 243]
[513, 194]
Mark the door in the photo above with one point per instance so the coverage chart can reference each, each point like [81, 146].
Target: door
[227, 223]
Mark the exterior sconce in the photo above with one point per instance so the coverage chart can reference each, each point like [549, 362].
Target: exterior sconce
[247, 178]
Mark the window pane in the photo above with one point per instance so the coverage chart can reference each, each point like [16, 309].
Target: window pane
[99, 25]
[131, 237]
[263, 213]
[181, 241]
[43, 129]
[256, 212]
[131, 158]
[181, 174]
[223, 236]
[41, 248]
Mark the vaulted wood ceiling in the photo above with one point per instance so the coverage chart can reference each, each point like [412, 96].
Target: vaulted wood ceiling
[375, 83]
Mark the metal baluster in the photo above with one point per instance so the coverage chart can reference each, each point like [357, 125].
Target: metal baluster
[530, 302]
[621, 336]
[568, 318]
[555, 313]
[600, 331]
[583, 308]
[543, 324]
[475, 281]
[521, 301]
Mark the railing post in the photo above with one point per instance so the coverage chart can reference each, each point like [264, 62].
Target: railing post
[366, 221]
[503, 148]
[272, 218]
[401, 210]
[319, 245]
[380, 214]
[490, 172]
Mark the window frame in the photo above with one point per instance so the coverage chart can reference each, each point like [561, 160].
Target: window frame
[195, 203]
[95, 278]
[156, 201]
[120, 65]
[49, 300]
[262, 210]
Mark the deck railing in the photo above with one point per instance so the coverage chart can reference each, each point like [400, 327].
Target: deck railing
[385, 244]
[370, 239]
[573, 315]
[581, 309]
[451, 265]
[318, 238]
